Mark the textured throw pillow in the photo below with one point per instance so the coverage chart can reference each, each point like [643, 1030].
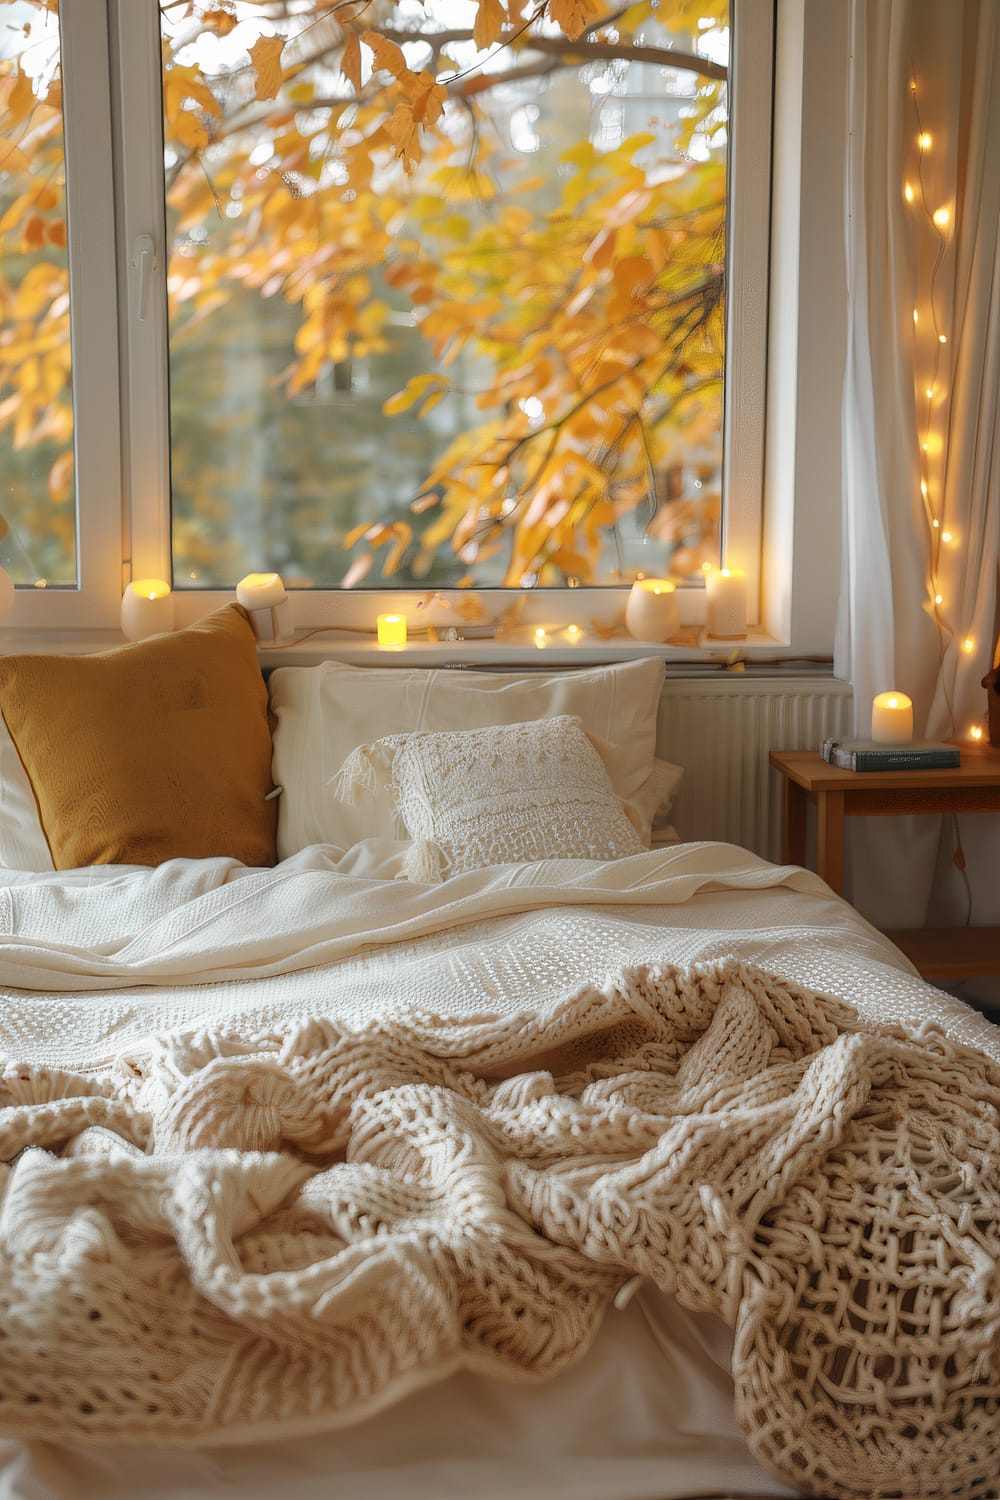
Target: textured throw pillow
[324, 712]
[148, 752]
[508, 793]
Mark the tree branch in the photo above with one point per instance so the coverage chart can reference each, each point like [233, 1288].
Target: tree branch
[668, 57]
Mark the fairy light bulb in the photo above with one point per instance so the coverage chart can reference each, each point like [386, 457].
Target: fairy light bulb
[935, 523]
[938, 598]
[539, 636]
[924, 141]
[968, 645]
[941, 217]
[942, 338]
[916, 316]
[946, 536]
[976, 732]
[908, 193]
[923, 488]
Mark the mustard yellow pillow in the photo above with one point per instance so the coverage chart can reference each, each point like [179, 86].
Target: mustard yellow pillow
[148, 752]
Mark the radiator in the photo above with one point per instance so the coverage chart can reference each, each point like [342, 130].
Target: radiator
[721, 729]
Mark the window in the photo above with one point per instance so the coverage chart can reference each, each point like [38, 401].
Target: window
[487, 351]
[59, 436]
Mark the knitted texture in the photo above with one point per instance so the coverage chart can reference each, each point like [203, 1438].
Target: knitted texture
[476, 797]
[239, 1234]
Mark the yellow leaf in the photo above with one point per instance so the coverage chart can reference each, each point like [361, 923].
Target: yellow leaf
[350, 62]
[490, 18]
[12, 158]
[432, 401]
[189, 131]
[388, 57]
[404, 132]
[61, 477]
[416, 386]
[20, 99]
[219, 20]
[265, 54]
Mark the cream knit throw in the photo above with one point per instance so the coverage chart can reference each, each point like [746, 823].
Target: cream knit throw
[242, 1235]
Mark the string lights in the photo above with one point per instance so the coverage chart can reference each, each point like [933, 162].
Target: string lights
[930, 345]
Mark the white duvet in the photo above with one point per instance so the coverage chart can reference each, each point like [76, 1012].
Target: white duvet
[93, 963]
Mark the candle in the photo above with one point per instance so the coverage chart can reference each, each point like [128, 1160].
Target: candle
[892, 719]
[726, 604]
[391, 631]
[263, 596]
[147, 609]
[651, 613]
[261, 591]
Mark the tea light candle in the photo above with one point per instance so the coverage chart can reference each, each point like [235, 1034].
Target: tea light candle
[147, 609]
[391, 631]
[892, 718]
[726, 604]
[651, 613]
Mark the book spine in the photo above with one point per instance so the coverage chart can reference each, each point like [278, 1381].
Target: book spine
[889, 760]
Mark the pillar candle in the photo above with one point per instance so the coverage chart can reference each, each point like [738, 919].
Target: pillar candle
[651, 613]
[263, 596]
[147, 609]
[892, 719]
[261, 591]
[726, 604]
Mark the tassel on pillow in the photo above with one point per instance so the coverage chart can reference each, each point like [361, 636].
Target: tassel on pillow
[365, 771]
[424, 862]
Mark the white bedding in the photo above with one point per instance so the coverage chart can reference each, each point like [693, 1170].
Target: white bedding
[113, 955]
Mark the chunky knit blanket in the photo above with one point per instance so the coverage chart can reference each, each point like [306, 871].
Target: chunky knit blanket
[237, 1235]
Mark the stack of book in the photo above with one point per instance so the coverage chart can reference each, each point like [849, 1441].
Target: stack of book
[870, 755]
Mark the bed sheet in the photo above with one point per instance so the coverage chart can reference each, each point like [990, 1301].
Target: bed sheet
[116, 954]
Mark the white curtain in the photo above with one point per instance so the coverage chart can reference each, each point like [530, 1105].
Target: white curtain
[921, 421]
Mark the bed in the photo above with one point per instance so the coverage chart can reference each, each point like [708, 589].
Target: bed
[427, 1158]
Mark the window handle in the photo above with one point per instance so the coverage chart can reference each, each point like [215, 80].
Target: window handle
[144, 261]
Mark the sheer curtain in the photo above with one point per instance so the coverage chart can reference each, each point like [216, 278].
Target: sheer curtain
[921, 422]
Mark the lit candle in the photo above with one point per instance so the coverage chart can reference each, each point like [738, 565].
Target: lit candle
[147, 609]
[651, 613]
[892, 719]
[726, 604]
[263, 596]
[391, 631]
[261, 591]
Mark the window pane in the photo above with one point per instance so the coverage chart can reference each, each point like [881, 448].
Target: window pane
[36, 401]
[443, 310]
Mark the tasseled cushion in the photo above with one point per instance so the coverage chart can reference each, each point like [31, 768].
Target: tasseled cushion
[501, 795]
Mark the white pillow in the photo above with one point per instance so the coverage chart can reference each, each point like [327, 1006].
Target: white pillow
[23, 845]
[471, 798]
[322, 713]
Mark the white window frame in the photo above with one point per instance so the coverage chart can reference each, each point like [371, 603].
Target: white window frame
[87, 130]
[136, 61]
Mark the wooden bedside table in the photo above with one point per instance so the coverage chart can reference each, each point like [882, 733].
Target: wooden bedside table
[974, 786]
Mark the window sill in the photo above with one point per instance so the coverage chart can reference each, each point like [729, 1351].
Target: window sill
[331, 644]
